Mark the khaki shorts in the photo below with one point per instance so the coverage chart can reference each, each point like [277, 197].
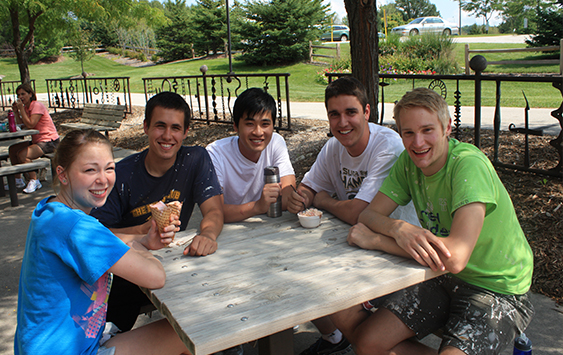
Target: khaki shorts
[473, 319]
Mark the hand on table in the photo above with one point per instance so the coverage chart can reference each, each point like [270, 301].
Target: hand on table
[201, 245]
[361, 236]
[422, 245]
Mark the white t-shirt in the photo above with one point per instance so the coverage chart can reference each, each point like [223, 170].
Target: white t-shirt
[336, 172]
[242, 180]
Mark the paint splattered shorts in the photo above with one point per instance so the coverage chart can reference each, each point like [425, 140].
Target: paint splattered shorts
[473, 319]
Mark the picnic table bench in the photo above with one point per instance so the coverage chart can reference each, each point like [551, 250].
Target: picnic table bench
[100, 117]
[11, 171]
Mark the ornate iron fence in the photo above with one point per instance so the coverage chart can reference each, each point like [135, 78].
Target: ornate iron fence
[8, 92]
[74, 93]
[211, 97]
[439, 83]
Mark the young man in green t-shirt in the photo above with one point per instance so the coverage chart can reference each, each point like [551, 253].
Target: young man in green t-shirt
[469, 228]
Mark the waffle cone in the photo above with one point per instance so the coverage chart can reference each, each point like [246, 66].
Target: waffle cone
[162, 217]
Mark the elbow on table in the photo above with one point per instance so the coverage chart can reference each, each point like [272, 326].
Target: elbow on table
[156, 281]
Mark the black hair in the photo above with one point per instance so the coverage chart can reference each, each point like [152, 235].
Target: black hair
[253, 101]
[169, 100]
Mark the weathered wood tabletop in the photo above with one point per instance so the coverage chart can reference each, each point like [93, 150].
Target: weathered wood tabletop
[268, 275]
[17, 134]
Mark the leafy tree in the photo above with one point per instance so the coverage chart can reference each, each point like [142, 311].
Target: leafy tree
[392, 13]
[550, 24]
[279, 31]
[514, 14]
[412, 9]
[26, 17]
[83, 48]
[482, 8]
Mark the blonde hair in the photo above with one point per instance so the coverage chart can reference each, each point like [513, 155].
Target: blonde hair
[425, 98]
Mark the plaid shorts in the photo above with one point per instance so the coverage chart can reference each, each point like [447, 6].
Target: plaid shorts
[473, 319]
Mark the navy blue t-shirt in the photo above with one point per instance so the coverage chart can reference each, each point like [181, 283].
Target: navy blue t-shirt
[190, 180]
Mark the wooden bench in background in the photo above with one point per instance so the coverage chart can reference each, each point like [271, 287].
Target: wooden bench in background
[11, 171]
[100, 117]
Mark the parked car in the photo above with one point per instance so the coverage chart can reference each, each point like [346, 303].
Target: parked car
[427, 25]
[342, 33]
[339, 33]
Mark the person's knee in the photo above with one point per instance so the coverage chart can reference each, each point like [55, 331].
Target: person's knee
[368, 346]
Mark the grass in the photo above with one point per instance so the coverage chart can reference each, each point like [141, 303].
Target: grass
[302, 82]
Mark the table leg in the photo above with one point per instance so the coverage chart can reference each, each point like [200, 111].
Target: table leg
[277, 344]
[13, 190]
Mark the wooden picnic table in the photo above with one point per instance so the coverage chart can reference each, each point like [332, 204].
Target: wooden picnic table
[268, 275]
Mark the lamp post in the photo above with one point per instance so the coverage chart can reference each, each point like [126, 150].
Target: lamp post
[460, 17]
[229, 38]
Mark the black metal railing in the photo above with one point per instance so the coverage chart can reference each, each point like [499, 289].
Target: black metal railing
[439, 83]
[211, 97]
[74, 93]
[8, 92]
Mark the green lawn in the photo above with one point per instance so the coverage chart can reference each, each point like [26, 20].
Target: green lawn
[303, 80]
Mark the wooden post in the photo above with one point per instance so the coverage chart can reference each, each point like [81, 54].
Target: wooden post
[337, 51]
[466, 59]
[561, 56]
[310, 51]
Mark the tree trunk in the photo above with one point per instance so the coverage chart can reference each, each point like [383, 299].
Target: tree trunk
[364, 44]
[21, 47]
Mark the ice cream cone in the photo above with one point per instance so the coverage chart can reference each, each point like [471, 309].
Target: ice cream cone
[161, 213]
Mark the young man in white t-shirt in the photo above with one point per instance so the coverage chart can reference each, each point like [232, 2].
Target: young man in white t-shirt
[347, 174]
[240, 160]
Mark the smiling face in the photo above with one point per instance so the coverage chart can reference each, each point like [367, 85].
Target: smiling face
[90, 178]
[349, 122]
[424, 138]
[166, 133]
[255, 133]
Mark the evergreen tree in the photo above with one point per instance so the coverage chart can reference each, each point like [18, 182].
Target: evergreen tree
[175, 39]
[279, 31]
[550, 24]
[210, 19]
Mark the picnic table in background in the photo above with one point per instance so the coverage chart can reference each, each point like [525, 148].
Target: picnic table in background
[268, 275]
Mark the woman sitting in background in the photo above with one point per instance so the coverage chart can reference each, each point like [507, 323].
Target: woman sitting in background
[34, 115]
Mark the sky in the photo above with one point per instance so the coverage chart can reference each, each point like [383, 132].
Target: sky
[449, 9]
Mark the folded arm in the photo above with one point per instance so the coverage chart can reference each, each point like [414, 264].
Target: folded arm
[451, 253]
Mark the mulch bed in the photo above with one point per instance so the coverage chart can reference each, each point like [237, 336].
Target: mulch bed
[538, 199]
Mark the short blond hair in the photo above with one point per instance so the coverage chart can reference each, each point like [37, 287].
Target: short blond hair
[425, 98]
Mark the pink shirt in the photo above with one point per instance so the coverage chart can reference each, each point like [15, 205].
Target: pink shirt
[45, 125]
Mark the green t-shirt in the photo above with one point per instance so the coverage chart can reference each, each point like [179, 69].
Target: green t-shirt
[502, 259]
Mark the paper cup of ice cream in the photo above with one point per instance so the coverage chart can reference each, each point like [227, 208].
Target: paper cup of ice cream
[310, 218]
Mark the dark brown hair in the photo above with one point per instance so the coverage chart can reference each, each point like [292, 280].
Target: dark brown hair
[27, 88]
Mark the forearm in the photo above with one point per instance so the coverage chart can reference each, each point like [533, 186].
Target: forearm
[212, 224]
[380, 223]
[141, 229]
[346, 211]
[235, 213]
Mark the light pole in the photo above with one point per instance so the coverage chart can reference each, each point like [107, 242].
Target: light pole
[460, 17]
[229, 38]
